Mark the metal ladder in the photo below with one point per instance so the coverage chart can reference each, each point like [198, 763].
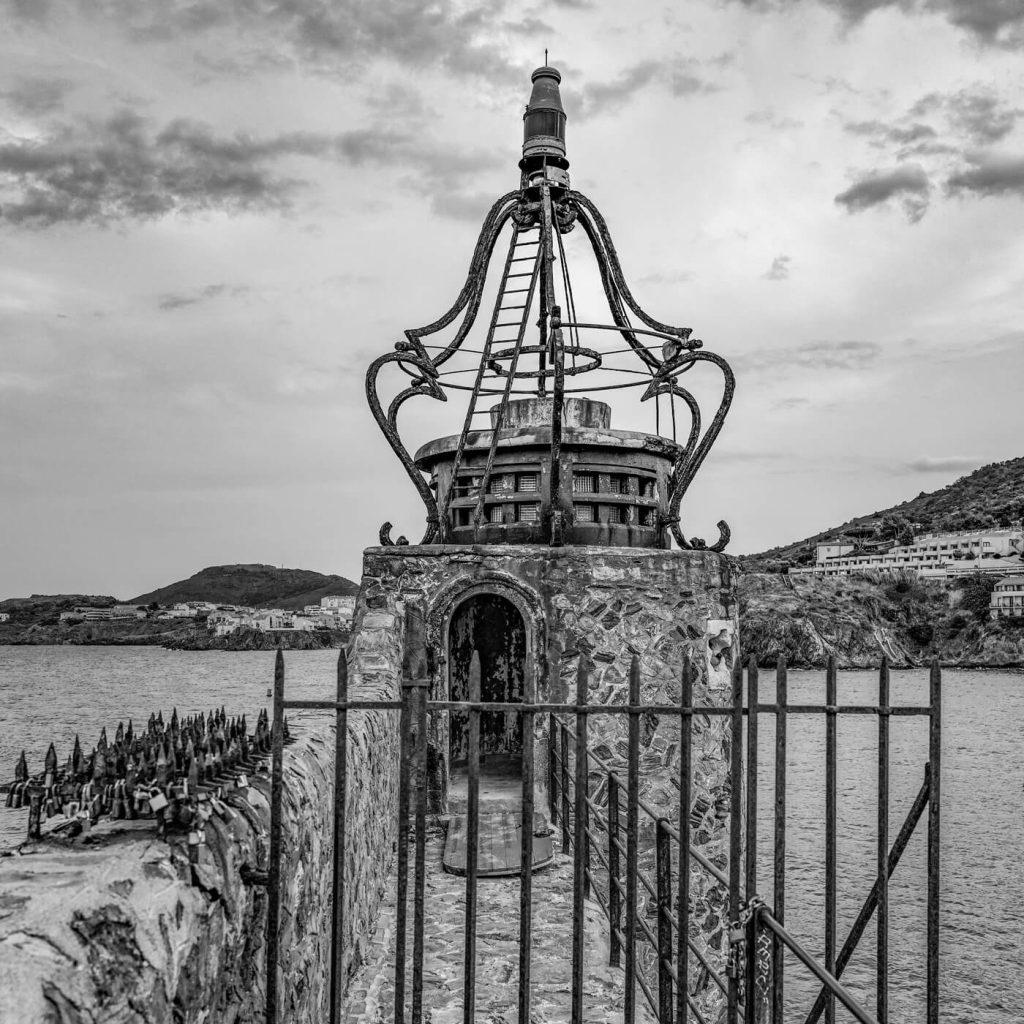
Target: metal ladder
[518, 281]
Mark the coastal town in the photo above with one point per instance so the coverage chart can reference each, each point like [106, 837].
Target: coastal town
[333, 612]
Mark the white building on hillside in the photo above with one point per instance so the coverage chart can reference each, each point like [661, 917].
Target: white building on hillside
[932, 555]
[1008, 598]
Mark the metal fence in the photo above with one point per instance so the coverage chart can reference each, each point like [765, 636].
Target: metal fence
[751, 980]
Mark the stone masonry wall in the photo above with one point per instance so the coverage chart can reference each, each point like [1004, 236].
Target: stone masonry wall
[604, 604]
[120, 926]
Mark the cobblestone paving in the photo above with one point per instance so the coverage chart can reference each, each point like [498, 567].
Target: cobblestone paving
[372, 993]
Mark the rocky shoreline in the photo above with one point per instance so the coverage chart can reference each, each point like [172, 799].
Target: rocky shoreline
[858, 619]
[174, 636]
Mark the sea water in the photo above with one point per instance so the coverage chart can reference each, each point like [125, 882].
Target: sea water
[51, 693]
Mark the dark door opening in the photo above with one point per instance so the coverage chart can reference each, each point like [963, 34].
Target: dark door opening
[491, 625]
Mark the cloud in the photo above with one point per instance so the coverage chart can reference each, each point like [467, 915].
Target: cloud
[461, 40]
[813, 355]
[990, 175]
[975, 113]
[34, 96]
[178, 300]
[768, 117]
[991, 22]
[682, 77]
[907, 139]
[779, 270]
[667, 277]
[125, 170]
[101, 172]
[944, 463]
[908, 184]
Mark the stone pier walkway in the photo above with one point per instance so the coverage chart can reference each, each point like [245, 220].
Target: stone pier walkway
[372, 994]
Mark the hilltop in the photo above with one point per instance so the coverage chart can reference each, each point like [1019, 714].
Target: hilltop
[259, 586]
[988, 497]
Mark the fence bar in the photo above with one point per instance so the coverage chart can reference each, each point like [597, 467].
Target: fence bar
[882, 920]
[420, 782]
[472, 845]
[580, 844]
[685, 785]
[735, 830]
[765, 919]
[274, 859]
[614, 872]
[526, 853]
[779, 882]
[402, 868]
[563, 731]
[711, 710]
[830, 833]
[552, 776]
[340, 793]
[632, 827]
[750, 1002]
[663, 872]
[864, 916]
[935, 772]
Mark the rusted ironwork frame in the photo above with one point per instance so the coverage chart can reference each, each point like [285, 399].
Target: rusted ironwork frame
[934, 866]
[413, 353]
[632, 828]
[663, 872]
[338, 860]
[580, 845]
[614, 872]
[750, 1002]
[708, 866]
[274, 854]
[830, 831]
[472, 291]
[779, 856]
[526, 852]
[685, 800]
[402, 866]
[682, 475]
[597, 230]
[472, 845]
[619, 709]
[870, 904]
[763, 919]
[735, 838]
[882, 849]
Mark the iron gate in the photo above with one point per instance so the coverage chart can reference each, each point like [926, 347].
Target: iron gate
[658, 962]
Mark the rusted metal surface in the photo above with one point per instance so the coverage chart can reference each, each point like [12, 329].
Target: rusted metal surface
[167, 771]
[748, 975]
[274, 860]
[338, 860]
[546, 204]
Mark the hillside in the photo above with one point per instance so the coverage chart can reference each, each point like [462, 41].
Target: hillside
[259, 586]
[857, 619]
[990, 496]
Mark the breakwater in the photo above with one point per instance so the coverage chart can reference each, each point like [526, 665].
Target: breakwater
[117, 923]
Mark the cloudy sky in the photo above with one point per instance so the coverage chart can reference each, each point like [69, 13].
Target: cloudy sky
[216, 213]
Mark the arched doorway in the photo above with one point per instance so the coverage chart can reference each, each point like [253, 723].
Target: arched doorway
[491, 625]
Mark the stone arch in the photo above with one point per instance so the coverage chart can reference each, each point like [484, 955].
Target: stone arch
[439, 613]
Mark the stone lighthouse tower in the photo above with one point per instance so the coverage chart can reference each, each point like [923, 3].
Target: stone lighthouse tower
[553, 521]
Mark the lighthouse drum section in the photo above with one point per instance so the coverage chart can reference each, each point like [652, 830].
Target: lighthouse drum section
[536, 460]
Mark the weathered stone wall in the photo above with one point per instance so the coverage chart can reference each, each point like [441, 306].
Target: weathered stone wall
[603, 604]
[119, 926]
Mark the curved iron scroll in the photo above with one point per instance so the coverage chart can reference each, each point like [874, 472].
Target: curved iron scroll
[679, 354]
[412, 359]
